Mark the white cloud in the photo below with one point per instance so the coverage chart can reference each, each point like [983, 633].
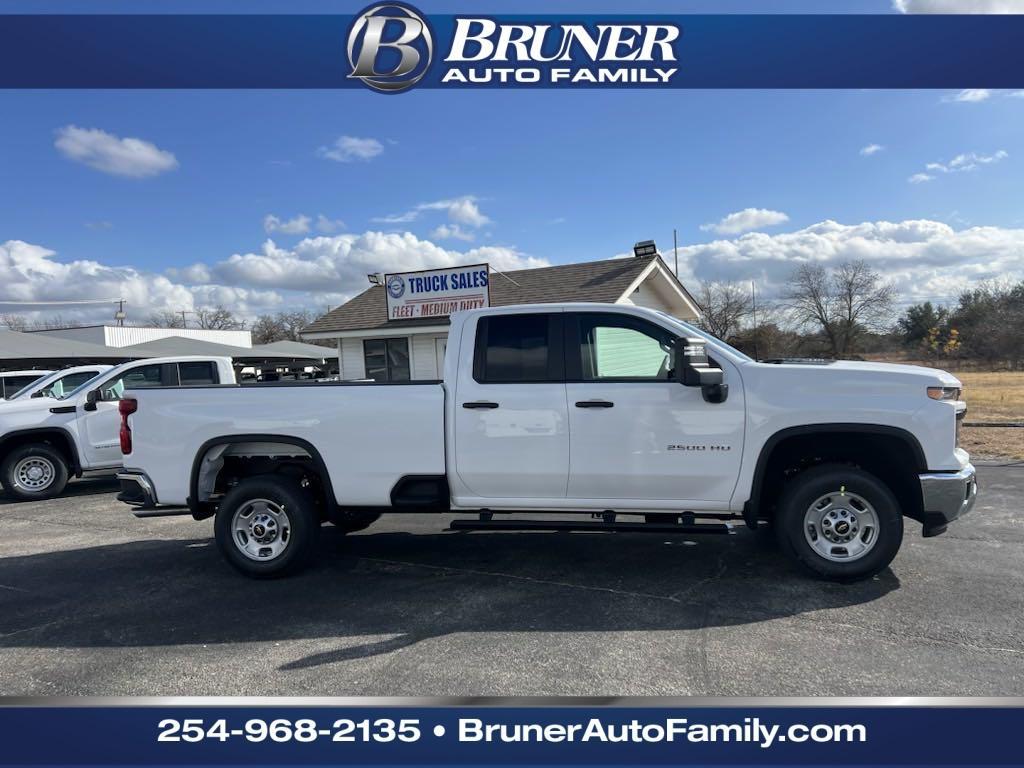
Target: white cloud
[962, 163]
[108, 153]
[958, 6]
[30, 272]
[924, 259]
[746, 220]
[326, 225]
[1016, 94]
[339, 264]
[453, 231]
[969, 95]
[461, 210]
[298, 225]
[346, 149]
[871, 149]
[312, 273]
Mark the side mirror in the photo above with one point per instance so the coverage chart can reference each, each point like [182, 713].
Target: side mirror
[40, 393]
[91, 399]
[692, 369]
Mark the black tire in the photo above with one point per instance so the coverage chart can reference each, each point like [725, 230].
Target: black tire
[46, 459]
[806, 488]
[302, 529]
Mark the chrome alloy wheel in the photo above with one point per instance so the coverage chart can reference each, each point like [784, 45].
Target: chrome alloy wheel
[261, 529]
[34, 474]
[841, 526]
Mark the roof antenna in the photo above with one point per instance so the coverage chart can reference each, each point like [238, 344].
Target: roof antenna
[504, 275]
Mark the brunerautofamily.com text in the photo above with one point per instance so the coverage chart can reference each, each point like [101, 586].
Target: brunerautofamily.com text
[751, 730]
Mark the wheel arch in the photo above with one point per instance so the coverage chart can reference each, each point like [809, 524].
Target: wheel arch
[200, 506]
[59, 437]
[897, 439]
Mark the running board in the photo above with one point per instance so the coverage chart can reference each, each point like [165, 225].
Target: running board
[588, 525]
[161, 511]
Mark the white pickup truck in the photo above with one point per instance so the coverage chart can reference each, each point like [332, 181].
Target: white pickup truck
[632, 417]
[44, 440]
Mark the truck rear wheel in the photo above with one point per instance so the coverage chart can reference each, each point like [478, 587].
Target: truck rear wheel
[840, 522]
[267, 527]
[33, 472]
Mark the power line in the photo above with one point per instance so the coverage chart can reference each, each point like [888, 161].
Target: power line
[5, 302]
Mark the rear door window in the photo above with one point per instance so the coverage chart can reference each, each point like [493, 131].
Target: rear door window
[197, 372]
[519, 349]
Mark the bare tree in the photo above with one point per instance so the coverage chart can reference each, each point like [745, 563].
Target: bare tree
[282, 326]
[167, 319]
[841, 304]
[14, 322]
[267, 329]
[724, 307]
[218, 318]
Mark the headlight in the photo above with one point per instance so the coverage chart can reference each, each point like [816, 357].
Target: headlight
[944, 393]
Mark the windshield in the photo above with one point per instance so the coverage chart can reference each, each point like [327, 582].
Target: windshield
[83, 386]
[708, 337]
[33, 385]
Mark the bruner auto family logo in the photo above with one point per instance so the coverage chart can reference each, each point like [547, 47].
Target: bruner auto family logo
[396, 286]
[391, 49]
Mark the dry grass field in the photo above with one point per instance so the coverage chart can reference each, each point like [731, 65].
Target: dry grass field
[997, 397]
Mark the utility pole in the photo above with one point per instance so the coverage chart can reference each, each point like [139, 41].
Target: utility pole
[675, 248]
[183, 325]
[753, 312]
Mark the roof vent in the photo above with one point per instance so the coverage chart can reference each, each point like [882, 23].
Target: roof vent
[645, 248]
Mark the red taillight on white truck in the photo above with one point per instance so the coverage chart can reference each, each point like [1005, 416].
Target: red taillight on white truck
[126, 408]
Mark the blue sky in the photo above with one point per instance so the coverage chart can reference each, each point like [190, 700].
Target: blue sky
[516, 178]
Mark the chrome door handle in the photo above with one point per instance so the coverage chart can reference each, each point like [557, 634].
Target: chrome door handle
[594, 404]
[480, 405]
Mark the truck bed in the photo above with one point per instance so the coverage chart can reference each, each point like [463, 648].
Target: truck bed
[369, 435]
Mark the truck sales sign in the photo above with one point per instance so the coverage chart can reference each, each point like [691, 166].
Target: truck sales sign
[437, 292]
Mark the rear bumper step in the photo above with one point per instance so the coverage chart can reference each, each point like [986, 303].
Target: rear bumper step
[137, 491]
[589, 525]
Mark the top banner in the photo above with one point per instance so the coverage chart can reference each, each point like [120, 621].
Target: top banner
[394, 48]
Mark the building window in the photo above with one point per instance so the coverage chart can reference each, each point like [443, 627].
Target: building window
[386, 359]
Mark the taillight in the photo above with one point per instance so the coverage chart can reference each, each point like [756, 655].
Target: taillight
[126, 408]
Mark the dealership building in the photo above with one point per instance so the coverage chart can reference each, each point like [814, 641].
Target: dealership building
[374, 339]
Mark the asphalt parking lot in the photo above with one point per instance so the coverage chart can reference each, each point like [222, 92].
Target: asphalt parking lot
[94, 601]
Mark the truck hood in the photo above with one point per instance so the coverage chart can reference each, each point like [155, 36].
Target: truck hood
[932, 375]
[910, 373]
[41, 404]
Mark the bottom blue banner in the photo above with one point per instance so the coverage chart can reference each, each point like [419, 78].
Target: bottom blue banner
[175, 734]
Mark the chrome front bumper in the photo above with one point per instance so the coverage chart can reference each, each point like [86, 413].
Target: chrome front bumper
[947, 496]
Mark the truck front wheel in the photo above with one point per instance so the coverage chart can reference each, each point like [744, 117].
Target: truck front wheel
[33, 472]
[267, 527]
[840, 522]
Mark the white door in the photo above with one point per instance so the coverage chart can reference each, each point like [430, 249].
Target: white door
[635, 433]
[100, 429]
[511, 427]
[440, 346]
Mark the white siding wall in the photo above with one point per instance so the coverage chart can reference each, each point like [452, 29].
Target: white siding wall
[424, 356]
[125, 336]
[352, 365]
[645, 296]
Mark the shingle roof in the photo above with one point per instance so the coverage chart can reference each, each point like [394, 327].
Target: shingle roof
[599, 281]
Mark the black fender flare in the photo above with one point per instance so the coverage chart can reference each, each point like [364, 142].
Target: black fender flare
[193, 486]
[750, 511]
[43, 432]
